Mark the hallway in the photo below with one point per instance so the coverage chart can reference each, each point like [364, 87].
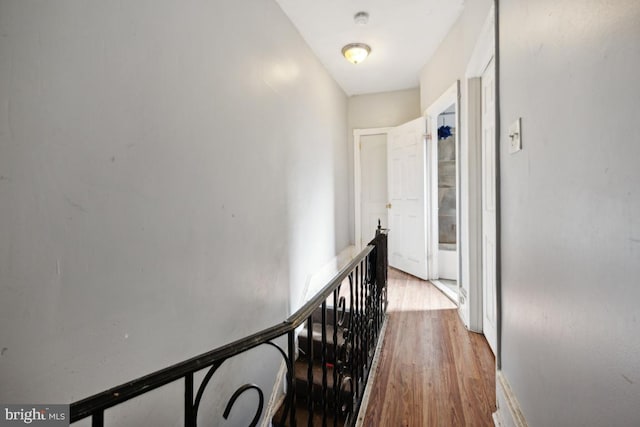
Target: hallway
[431, 371]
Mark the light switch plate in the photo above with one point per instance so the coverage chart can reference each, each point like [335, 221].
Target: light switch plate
[515, 137]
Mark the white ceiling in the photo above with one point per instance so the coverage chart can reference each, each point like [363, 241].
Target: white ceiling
[403, 34]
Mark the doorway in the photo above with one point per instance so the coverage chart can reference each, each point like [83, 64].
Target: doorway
[370, 183]
[406, 192]
[444, 122]
[447, 203]
[447, 221]
[373, 173]
[480, 178]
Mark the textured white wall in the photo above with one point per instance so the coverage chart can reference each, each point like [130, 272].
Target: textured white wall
[170, 174]
[570, 210]
[377, 110]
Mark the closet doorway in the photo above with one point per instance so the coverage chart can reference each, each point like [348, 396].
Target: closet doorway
[447, 202]
[444, 119]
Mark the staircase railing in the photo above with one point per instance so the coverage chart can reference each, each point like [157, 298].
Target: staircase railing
[358, 297]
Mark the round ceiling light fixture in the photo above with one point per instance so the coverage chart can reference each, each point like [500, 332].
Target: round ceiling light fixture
[356, 52]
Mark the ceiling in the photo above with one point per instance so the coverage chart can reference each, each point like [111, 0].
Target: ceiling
[402, 34]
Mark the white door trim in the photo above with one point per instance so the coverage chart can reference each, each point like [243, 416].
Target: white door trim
[450, 96]
[357, 178]
[482, 54]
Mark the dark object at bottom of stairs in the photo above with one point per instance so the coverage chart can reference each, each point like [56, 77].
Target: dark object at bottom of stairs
[302, 417]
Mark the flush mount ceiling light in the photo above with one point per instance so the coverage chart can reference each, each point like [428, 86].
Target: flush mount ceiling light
[356, 52]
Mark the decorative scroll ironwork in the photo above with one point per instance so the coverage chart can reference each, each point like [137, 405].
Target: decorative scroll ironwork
[344, 354]
[203, 386]
[238, 392]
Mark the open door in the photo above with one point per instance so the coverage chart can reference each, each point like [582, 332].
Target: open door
[489, 310]
[406, 209]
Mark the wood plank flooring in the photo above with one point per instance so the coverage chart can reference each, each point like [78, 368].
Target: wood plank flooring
[432, 371]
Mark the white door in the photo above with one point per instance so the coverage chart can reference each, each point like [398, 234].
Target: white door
[373, 167]
[407, 181]
[489, 321]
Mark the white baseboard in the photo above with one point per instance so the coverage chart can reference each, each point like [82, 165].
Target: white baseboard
[508, 413]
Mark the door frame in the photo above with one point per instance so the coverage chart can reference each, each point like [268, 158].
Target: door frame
[483, 52]
[450, 96]
[357, 177]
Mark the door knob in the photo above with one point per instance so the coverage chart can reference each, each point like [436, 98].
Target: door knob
[388, 205]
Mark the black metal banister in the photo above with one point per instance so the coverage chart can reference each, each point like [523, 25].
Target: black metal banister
[118, 394]
[307, 309]
[94, 406]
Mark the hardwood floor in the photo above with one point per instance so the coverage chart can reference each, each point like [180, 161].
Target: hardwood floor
[432, 371]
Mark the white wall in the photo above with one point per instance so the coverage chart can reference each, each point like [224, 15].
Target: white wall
[450, 60]
[170, 174]
[570, 210]
[447, 65]
[378, 110]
